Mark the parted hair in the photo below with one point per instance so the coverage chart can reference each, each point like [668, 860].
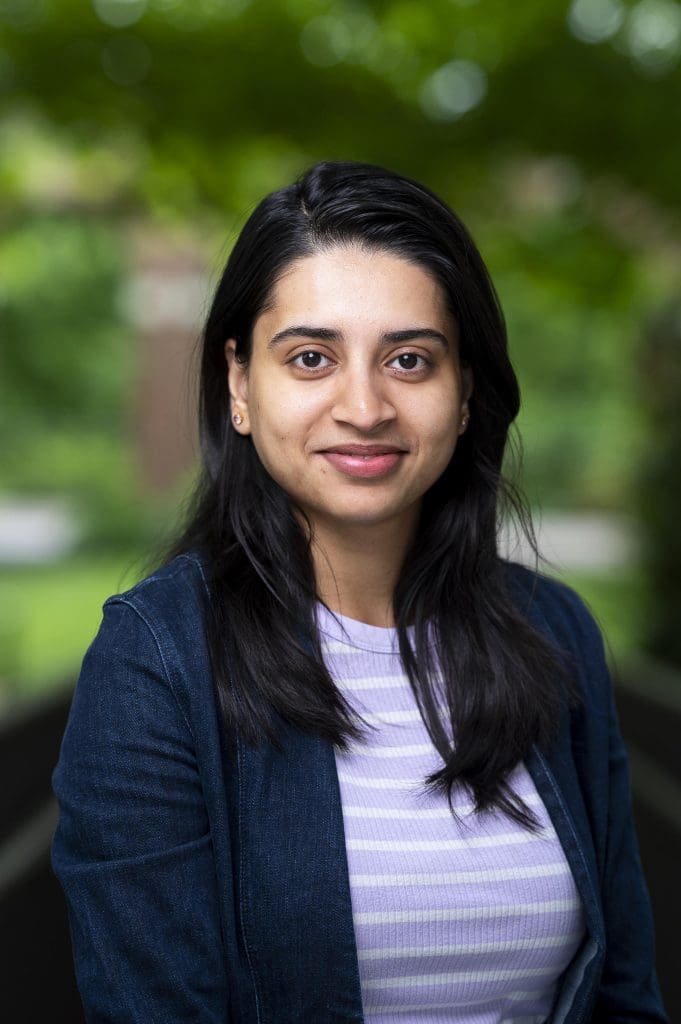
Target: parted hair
[503, 684]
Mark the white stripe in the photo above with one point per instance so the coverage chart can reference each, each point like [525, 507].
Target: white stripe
[442, 813]
[454, 977]
[410, 750]
[477, 842]
[509, 946]
[438, 814]
[399, 681]
[522, 997]
[516, 997]
[465, 913]
[393, 717]
[371, 783]
[453, 877]
[336, 647]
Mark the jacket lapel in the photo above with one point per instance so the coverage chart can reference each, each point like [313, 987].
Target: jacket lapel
[555, 775]
[556, 778]
[294, 891]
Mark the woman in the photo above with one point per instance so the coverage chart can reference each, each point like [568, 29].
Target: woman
[336, 760]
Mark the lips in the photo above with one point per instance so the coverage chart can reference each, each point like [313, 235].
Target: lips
[364, 461]
[364, 449]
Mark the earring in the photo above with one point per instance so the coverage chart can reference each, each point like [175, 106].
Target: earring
[237, 418]
[464, 423]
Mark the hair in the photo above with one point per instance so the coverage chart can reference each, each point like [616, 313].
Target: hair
[503, 683]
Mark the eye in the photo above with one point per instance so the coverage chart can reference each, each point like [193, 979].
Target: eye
[410, 361]
[311, 360]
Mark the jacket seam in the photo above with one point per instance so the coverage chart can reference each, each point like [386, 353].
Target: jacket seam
[568, 819]
[197, 562]
[143, 618]
[242, 926]
[587, 997]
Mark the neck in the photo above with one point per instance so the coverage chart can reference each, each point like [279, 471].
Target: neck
[357, 567]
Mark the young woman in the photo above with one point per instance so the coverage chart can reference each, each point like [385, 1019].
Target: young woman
[337, 760]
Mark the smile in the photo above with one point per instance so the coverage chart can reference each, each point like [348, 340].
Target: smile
[372, 464]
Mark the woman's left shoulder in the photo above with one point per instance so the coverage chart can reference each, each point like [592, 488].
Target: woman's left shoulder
[558, 611]
[556, 600]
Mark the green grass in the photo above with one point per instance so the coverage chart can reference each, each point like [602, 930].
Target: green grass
[48, 616]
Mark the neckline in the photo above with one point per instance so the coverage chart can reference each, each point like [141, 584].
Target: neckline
[353, 633]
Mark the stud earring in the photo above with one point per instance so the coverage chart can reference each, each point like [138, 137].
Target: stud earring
[464, 423]
[236, 418]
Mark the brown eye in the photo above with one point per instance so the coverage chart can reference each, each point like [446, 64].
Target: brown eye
[310, 360]
[410, 361]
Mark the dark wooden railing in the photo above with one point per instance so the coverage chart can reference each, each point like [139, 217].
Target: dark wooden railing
[649, 703]
[36, 969]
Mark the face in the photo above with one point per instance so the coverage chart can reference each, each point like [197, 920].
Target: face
[354, 395]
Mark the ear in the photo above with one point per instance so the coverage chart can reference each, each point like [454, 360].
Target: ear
[237, 380]
[466, 384]
[466, 392]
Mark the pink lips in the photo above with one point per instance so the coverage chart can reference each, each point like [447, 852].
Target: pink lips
[364, 461]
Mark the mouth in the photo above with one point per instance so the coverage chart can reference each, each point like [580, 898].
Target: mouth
[364, 461]
[364, 450]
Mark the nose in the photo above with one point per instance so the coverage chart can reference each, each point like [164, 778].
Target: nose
[361, 402]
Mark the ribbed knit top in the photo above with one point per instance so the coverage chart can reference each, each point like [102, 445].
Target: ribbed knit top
[469, 921]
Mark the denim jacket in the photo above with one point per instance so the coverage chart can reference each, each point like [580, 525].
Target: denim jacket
[207, 880]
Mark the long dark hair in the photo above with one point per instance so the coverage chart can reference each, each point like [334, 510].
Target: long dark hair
[504, 684]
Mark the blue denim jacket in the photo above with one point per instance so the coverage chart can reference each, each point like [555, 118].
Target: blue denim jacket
[207, 880]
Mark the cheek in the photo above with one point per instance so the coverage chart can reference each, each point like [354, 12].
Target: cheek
[437, 421]
[276, 432]
[441, 443]
[292, 421]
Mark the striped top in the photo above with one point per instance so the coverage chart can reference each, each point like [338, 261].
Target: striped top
[470, 921]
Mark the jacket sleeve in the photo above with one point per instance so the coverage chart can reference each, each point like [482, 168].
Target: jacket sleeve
[628, 992]
[133, 849]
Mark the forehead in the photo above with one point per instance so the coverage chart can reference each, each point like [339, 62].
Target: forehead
[354, 285]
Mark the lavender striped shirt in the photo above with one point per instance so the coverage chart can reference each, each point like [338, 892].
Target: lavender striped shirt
[471, 921]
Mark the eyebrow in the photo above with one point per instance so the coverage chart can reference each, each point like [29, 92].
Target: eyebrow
[328, 334]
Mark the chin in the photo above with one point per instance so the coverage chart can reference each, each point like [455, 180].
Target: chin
[366, 517]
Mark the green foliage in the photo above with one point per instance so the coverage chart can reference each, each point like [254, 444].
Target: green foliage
[49, 615]
[621, 602]
[542, 129]
[61, 360]
[65, 368]
[571, 296]
[187, 82]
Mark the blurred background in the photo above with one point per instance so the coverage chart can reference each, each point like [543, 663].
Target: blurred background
[135, 138]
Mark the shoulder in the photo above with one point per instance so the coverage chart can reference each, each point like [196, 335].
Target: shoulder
[141, 707]
[541, 597]
[172, 596]
[562, 616]
[160, 622]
